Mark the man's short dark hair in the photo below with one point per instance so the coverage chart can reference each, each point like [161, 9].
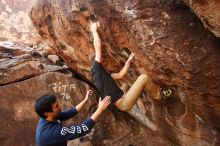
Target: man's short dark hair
[44, 104]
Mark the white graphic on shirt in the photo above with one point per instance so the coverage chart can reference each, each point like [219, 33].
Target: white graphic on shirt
[78, 129]
[64, 131]
[74, 129]
[84, 127]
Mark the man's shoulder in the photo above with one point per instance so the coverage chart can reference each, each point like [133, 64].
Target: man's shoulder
[49, 134]
[41, 122]
[44, 125]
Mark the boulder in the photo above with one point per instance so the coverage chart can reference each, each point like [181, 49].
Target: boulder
[53, 58]
[170, 44]
[18, 64]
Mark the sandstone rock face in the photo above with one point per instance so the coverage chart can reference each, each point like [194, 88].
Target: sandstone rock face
[15, 25]
[20, 62]
[170, 44]
[208, 12]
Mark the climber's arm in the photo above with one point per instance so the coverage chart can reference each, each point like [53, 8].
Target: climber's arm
[96, 42]
[124, 70]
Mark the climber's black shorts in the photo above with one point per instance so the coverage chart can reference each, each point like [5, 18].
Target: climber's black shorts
[105, 83]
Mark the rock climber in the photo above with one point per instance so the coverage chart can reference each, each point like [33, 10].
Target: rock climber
[122, 98]
[50, 131]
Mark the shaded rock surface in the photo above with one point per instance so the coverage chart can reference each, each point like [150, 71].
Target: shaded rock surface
[20, 62]
[208, 12]
[26, 74]
[171, 46]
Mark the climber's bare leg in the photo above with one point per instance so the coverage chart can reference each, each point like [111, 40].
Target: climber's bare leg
[130, 98]
[125, 87]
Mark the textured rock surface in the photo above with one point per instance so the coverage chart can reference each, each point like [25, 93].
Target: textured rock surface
[20, 62]
[171, 46]
[208, 12]
[19, 120]
[15, 25]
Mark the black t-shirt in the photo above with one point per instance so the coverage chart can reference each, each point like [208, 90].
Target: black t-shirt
[105, 83]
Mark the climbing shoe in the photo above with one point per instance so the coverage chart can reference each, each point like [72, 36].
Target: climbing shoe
[166, 93]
